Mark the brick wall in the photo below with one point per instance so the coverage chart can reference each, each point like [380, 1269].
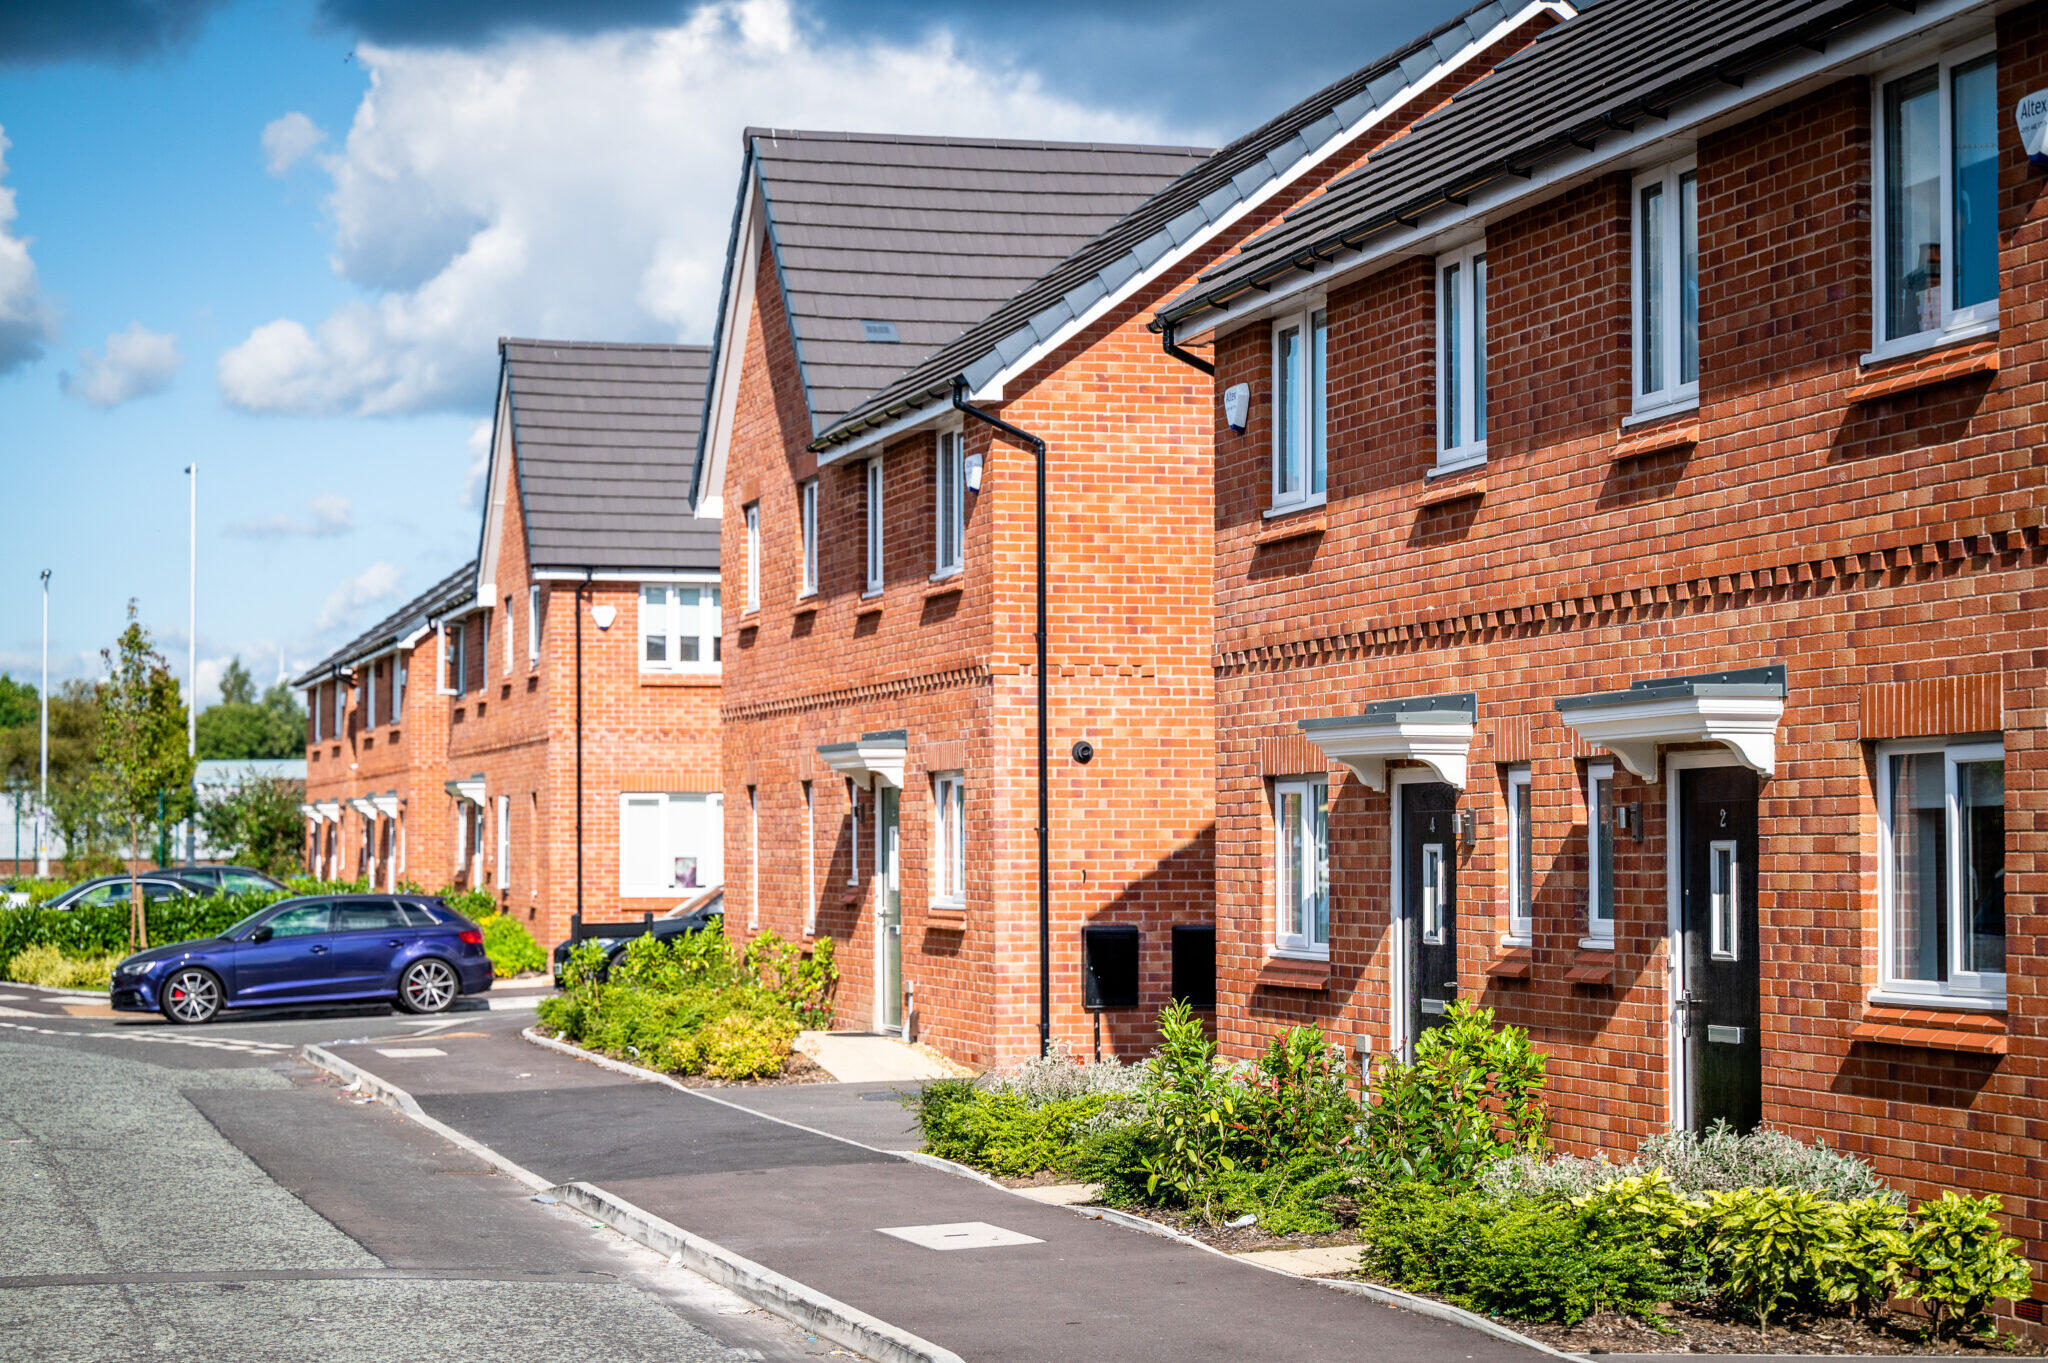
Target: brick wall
[1888, 552]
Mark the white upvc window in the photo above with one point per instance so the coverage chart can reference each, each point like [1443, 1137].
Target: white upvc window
[807, 505]
[313, 709]
[753, 857]
[1461, 356]
[950, 504]
[1301, 866]
[1521, 880]
[670, 842]
[1665, 279]
[454, 655]
[370, 697]
[1935, 232]
[753, 513]
[681, 627]
[874, 476]
[949, 840]
[1600, 854]
[533, 624]
[508, 636]
[483, 650]
[504, 857]
[810, 860]
[400, 670]
[1300, 409]
[1941, 810]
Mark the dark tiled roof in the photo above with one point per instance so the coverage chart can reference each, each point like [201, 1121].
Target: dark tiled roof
[1605, 71]
[1177, 213]
[456, 589]
[606, 438]
[926, 236]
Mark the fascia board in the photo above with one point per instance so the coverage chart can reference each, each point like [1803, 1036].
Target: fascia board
[722, 400]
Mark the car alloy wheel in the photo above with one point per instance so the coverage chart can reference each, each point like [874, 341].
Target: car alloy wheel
[428, 986]
[191, 996]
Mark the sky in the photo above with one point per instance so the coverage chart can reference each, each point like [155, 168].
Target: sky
[278, 241]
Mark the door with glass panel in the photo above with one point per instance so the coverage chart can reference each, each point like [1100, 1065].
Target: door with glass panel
[1429, 901]
[889, 910]
[1717, 873]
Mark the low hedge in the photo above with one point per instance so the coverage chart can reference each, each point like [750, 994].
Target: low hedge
[510, 946]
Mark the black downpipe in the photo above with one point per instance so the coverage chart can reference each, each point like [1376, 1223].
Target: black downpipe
[581, 587]
[1185, 356]
[1022, 436]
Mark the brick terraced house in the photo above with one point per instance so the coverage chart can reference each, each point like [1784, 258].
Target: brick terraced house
[1630, 584]
[573, 668]
[885, 298]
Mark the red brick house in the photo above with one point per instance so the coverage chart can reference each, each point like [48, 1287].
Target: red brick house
[574, 666]
[884, 358]
[1629, 584]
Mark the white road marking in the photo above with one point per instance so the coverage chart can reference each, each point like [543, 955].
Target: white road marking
[238, 1045]
[409, 1052]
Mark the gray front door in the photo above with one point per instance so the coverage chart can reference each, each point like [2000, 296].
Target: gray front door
[889, 927]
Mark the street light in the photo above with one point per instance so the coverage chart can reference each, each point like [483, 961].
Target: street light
[192, 661]
[43, 791]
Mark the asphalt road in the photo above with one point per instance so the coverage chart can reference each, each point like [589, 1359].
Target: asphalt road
[200, 1194]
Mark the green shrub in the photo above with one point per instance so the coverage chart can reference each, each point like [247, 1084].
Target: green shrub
[804, 982]
[1193, 1110]
[47, 966]
[1860, 1268]
[1003, 1132]
[1307, 1195]
[1645, 1211]
[1524, 1260]
[1958, 1260]
[475, 905]
[738, 1045]
[1296, 1104]
[1770, 1247]
[1469, 1098]
[1059, 1073]
[1697, 1163]
[510, 946]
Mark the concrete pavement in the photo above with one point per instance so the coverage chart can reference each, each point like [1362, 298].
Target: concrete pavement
[815, 1209]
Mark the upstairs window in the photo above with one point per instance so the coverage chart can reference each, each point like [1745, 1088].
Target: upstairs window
[313, 711]
[533, 624]
[1461, 357]
[950, 504]
[399, 671]
[508, 636]
[1300, 409]
[874, 477]
[807, 511]
[370, 696]
[1667, 287]
[1942, 887]
[949, 840]
[1301, 866]
[1937, 220]
[681, 627]
[753, 556]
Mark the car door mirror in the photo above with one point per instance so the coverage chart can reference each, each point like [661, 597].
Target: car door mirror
[262, 934]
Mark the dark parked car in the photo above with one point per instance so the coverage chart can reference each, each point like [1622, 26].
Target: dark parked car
[229, 879]
[694, 916]
[102, 890]
[410, 949]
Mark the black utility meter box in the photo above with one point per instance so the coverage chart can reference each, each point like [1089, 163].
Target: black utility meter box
[1109, 966]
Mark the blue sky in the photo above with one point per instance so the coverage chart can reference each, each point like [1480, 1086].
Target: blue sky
[282, 239]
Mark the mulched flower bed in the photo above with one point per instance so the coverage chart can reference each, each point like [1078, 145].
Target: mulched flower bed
[1239, 1239]
[1690, 1330]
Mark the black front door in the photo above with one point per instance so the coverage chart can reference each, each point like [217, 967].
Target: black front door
[1429, 901]
[1724, 1054]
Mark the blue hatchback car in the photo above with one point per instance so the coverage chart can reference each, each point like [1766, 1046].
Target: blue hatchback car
[411, 949]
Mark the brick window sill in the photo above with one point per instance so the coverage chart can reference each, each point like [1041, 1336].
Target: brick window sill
[945, 920]
[1453, 489]
[1282, 531]
[1591, 967]
[1657, 440]
[947, 586]
[869, 605]
[1291, 972]
[1513, 963]
[1924, 371]
[1932, 1029]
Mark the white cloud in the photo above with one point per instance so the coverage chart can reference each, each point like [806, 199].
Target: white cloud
[378, 582]
[137, 363]
[583, 187]
[27, 321]
[286, 140]
[479, 466]
[327, 515]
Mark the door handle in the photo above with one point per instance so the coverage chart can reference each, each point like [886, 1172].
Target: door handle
[318, 950]
[394, 942]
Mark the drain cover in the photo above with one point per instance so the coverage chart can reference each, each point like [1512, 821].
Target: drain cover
[961, 1235]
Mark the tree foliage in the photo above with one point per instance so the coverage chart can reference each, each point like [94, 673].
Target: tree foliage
[75, 806]
[242, 726]
[144, 771]
[258, 823]
[17, 703]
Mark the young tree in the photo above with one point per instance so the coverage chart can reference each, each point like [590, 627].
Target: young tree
[143, 765]
[237, 687]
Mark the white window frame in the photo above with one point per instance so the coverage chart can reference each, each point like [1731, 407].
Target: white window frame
[483, 639]
[753, 857]
[401, 669]
[1521, 914]
[313, 708]
[1599, 817]
[532, 624]
[709, 872]
[370, 698]
[874, 517]
[675, 625]
[1313, 869]
[504, 848]
[949, 840]
[1957, 324]
[1671, 392]
[852, 832]
[1465, 362]
[1963, 987]
[753, 522]
[1300, 447]
[508, 636]
[807, 512]
[949, 515]
[810, 860]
